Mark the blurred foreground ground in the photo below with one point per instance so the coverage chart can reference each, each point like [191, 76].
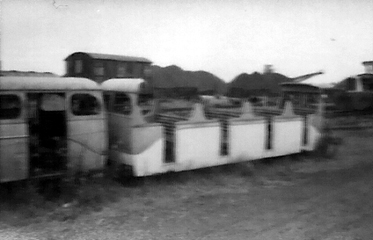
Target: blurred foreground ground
[298, 197]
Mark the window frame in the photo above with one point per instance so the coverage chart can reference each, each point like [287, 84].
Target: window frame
[114, 102]
[98, 104]
[121, 69]
[21, 106]
[98, 69]
[78, 66]
[130, 68]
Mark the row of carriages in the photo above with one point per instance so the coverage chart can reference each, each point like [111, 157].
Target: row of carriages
[54, 126]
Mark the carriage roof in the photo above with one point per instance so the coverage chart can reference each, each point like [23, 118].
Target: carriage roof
[128, 85]
[46, 83]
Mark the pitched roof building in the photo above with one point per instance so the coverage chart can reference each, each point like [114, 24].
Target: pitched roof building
[100, 67]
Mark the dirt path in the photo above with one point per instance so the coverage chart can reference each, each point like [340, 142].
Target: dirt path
[291, 200]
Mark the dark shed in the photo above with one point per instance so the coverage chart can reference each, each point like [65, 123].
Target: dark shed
[100, 67]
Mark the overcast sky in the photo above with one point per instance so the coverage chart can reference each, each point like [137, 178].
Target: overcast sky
[223, 37]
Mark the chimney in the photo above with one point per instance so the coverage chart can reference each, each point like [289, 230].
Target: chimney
[368, 66]
[268, 68]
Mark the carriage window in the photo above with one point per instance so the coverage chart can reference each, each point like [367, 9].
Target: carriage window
[367, 85]
[146, 102]
[350, 84]
[99, 69]
[84, 104]
[78, 66]
[10, 106]
[121, 70]
[122, 104]
[70, 67]
[130, 68]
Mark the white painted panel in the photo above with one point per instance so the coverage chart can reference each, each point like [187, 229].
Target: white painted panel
[14, 151]
[197, 147]
[287, 136]
[146, 163]
[87, 143]
[313, 136]
[247, 140]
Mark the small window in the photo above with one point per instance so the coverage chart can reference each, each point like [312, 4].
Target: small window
[84, 104]
[10, 106]
[70, 67]
[121, 70]
[130, 68]
[305, 130]
[351, 84]
[78, 66]
[146, 103]
[269, 138]
[367, 84]
[99, 69]
[141, 68]
[122, 104]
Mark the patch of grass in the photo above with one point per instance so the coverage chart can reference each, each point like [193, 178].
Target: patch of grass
[21, 202]
[55, 200]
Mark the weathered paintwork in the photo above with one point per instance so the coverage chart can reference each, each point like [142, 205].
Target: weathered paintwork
[14, 147]
[197, 142]
[87, 139]
[86, 135]
[247, 135]
[287, 136]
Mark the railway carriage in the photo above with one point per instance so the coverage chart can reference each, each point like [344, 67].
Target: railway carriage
[148, 139]
[49, 126]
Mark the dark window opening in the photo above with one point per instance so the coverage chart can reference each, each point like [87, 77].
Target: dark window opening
[351, 84]
[78, 66]
[305, 130]
[130, 68]
[169, 134]
[146, 103]
[84, 104]
[99, 69]
[48, 133]
[121, 71]
[367, 84]
[10, 106]
[224, 141]
[107, 98]
[70, 67]
[269, 139]
[122, 104]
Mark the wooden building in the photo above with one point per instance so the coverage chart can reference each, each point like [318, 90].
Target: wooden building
[100, 67]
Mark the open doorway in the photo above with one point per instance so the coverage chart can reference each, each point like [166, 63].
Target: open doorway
[48, 133]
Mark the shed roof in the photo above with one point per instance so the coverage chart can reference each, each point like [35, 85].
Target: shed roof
[366, 75]
[299, 87]
[46, 83]
[128, 85]
[112, 57]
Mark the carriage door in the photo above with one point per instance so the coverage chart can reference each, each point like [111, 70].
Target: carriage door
[87, 134]
[47, 128]
[13, 138]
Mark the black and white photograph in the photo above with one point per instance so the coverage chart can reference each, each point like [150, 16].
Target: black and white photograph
[186, 119]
